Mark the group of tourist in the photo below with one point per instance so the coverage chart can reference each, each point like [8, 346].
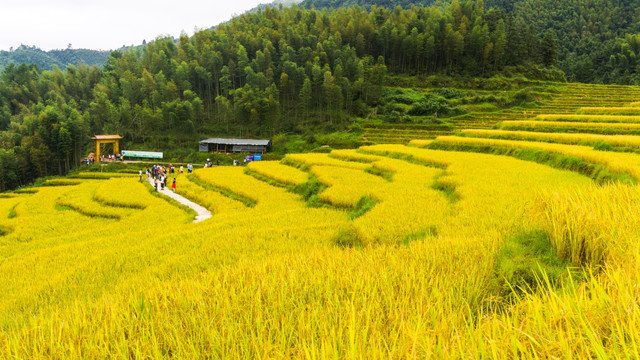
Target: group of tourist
[210, 164]
[159, 176]
[115, 157]
[90, 159]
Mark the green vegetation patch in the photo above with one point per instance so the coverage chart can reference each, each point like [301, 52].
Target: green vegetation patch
[387, 175]
[348, 236]
[526, 262]
[26, 191]
[364, 204]
[447, 188]
[296, 164]
[309, 191]
[63, 207]
[431, 231]
[12, 212]
[87, 212]
[119, 204]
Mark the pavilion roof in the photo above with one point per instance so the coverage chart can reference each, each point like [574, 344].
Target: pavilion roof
[106, 137]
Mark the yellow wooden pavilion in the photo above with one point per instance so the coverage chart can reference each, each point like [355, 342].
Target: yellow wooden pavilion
[106, 139]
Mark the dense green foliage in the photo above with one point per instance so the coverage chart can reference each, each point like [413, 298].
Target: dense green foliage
[49, 59]
[593, 41]
[278, 70]
[597, 40]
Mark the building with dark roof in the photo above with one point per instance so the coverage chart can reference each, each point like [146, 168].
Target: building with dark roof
[235, 145]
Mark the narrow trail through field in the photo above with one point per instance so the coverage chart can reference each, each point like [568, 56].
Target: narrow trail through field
[203, 213]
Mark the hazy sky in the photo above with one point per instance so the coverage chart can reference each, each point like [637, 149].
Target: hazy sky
[108, 24]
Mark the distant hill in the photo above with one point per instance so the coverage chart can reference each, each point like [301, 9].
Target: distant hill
[46, 59]
[275, 3]
[319, 4]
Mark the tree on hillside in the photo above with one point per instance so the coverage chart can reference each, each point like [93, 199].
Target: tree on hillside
[548, 49]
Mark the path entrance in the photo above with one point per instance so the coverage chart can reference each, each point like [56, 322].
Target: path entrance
[106, 139]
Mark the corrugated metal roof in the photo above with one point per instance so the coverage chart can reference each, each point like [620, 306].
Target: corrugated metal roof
[236, 141]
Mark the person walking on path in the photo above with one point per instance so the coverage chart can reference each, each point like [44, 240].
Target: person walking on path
[155, 184]
[173, 185]
[140, 172]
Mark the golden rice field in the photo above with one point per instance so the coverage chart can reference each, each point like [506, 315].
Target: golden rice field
[628, 141]
[572, 124]
[437, 249]
[101, 268]
[610, 110]
[589, 118]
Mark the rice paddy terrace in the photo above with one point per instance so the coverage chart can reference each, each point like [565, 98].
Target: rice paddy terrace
[565, 99]
[513, 242]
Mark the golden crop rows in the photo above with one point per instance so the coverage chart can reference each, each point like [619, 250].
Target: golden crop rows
[110, 192]
[617, 162]
[414, 276]
[323, 159]
[589, 118]
[610, 110]
[214, 201]
[346, 186]
[573, 124]
[81, 200]
[630, 141]
[281, 173]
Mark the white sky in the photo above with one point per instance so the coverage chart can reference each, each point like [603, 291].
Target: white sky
[108, 24]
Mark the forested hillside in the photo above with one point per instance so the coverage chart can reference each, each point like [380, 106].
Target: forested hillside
[289, 70]
[47, 59]
[597, 41]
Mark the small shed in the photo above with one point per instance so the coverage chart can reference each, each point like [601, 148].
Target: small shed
[235, 145]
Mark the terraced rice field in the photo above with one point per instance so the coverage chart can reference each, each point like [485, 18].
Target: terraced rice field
[494, 244]
[573, 100]
[401, 134]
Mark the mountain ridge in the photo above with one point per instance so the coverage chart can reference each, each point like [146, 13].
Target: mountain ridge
[57, 57]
